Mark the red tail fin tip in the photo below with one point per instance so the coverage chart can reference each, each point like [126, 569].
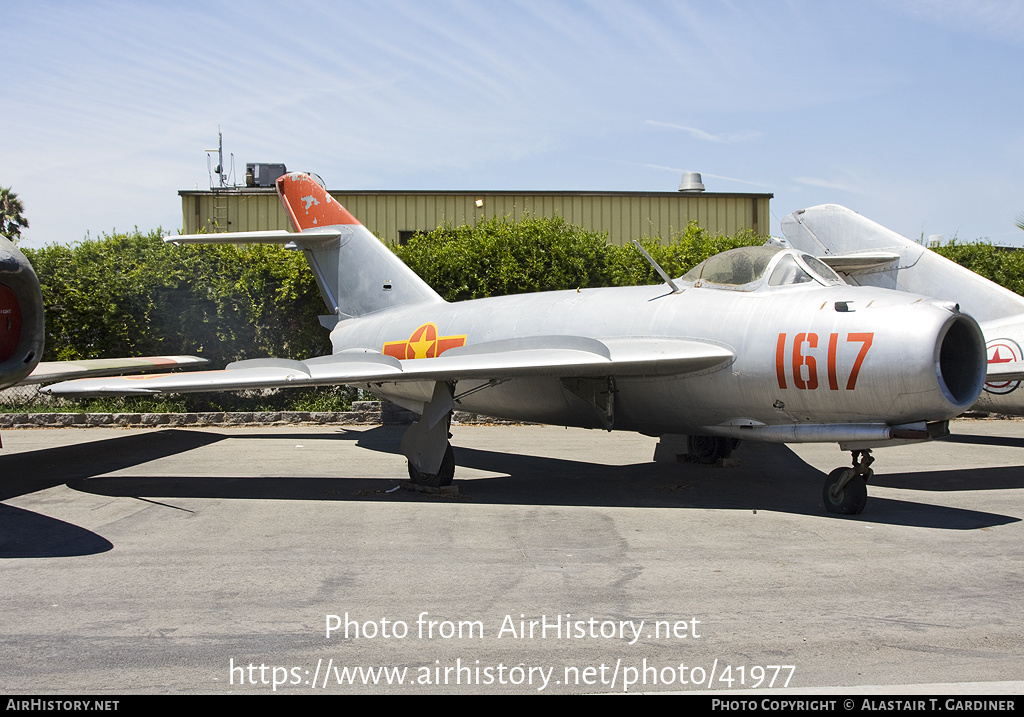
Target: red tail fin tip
[308, 204]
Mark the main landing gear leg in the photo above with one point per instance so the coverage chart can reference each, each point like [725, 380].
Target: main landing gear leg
[425, 443]
[846, 489]
[444, 476]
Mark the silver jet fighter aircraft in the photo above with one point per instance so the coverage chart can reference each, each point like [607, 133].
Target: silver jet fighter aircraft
[762, 343]
[868, 254]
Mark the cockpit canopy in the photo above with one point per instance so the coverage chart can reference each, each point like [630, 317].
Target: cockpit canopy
[745, 269]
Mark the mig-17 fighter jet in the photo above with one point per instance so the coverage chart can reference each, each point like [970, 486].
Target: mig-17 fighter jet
[760, 343]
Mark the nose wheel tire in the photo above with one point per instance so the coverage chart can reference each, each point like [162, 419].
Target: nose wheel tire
[444, 476]
[845, 492]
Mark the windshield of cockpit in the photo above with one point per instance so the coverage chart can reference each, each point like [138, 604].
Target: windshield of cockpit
[735, 267]
[743, 269]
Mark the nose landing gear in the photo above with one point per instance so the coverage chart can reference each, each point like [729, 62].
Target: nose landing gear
[846, 490]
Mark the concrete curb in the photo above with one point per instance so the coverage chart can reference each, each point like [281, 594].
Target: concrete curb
[362, 413]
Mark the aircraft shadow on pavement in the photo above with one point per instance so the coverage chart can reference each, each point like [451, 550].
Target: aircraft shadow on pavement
[958, 479]
[26, 534]
[1007, 441]
[762, 477]
[767, 477]
[32, 471]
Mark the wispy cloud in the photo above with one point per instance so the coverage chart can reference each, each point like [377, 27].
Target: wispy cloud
[763, 185]
[830, 184]
[464, 94]
[725, 138]
[988, 18]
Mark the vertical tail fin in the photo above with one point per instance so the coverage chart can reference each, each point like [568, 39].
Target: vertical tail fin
[356, 273]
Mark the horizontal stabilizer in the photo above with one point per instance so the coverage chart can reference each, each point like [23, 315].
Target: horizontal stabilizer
[555, 356]
[47, 371]
[275, 236]
[861, 263]
[1001, 372]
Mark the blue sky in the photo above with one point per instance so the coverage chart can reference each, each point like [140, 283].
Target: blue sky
[907, 111]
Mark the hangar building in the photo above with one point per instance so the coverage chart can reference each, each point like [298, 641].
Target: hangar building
[394, 216]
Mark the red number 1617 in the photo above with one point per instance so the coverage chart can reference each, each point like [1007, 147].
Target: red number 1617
[804, 365]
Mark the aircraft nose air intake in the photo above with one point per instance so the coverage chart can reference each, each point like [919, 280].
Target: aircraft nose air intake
[961, 360]
[21, 316]
[10, 323]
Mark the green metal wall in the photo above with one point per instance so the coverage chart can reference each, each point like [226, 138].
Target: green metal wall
[623, 215]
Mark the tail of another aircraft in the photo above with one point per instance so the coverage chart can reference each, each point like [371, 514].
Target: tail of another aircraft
[872, 255]
[356, 273]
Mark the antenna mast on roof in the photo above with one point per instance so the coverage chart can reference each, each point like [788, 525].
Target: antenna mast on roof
[222, 176]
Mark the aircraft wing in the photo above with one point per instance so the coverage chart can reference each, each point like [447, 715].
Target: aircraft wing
[47, 371]
[556, 356]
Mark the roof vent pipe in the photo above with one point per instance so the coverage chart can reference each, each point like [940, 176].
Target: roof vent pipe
[691, 182]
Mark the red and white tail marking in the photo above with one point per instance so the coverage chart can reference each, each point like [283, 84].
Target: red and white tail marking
[308, 204]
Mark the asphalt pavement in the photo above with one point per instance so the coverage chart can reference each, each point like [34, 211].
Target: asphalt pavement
[290, 559]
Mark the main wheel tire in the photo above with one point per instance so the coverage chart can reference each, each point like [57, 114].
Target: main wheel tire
[851, 499]
[444, 476]
[708, 449]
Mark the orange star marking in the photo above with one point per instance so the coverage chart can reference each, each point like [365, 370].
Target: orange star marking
[424, 343]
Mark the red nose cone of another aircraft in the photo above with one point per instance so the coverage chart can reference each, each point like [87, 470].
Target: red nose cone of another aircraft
[10, 323]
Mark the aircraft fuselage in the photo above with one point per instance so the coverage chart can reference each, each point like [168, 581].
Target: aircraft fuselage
[801, 356]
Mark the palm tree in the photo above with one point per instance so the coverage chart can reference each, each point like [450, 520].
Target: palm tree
[11, 221]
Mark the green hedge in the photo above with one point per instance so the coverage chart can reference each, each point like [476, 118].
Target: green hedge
[500, 256]
[1003, 266]
[132, 294]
